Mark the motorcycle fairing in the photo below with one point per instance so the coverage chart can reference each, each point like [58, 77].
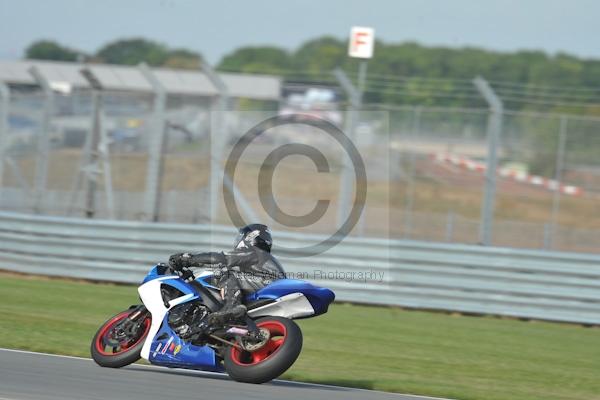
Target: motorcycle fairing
[170, 350]
[291, 298]
[161, 343]
[318, 297]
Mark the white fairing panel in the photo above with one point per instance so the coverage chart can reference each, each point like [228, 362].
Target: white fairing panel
[152, 299]
[294, 305]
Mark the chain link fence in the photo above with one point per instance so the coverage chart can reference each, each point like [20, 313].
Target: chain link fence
[547, 188]
[425, 167]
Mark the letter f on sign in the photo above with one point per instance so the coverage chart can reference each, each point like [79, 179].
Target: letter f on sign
[361, 42]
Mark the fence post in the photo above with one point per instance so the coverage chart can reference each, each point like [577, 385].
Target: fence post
[346, 179]
[85, 167]
[560, 159]
[410, 192]
[155, 146]
[450, 226]
[218, 138]
[95, 149]
[91, 181]
[4, 104]
[18, 175]
[104, 150]
[43, 142]
[547, 236]
[494, 131]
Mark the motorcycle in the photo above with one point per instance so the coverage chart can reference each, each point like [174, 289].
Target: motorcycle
[170, 328]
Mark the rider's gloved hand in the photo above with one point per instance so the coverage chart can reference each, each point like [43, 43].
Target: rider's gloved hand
[180, 263]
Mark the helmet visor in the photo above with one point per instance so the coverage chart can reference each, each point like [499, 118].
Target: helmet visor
[237, 240]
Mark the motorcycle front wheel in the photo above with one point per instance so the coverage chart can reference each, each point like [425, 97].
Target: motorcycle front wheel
[115, 347]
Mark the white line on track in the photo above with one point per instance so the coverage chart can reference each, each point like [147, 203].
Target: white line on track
[209, 373]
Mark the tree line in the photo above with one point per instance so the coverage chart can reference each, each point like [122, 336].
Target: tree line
[124, 52]
[399, 73]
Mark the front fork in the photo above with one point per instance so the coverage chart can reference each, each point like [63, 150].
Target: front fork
[137, 311]
[131, 325]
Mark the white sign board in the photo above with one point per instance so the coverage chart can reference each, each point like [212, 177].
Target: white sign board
[361, 42]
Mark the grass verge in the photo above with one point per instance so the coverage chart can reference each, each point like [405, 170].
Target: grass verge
[369, 347]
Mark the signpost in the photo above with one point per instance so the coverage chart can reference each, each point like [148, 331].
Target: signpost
[361, 42]
[361, 45]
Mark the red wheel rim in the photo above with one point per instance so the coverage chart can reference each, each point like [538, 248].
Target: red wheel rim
[123, 347]
[278, 336]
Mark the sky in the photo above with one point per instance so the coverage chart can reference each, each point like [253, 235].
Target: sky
[215, 28]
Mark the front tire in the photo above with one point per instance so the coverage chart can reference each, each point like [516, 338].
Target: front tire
[113, 353]
[271, 360]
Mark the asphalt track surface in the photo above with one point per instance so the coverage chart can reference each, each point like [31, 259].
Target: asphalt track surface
[38, 376]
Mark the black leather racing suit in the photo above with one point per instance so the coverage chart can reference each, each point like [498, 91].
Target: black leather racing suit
[236, 272]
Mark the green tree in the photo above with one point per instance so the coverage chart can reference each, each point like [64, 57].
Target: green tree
[133, 51]
[320, 55]
[562, 68]
[182, 58]
[256, 59]
[50, 50]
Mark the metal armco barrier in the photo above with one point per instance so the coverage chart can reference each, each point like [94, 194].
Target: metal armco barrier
[500, 281]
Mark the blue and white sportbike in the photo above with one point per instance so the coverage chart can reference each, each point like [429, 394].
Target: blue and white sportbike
[170, 328]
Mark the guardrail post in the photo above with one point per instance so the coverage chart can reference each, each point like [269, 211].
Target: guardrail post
[155, 148]
[346, 180]
[43, 142]
[4, 104]
[494, 131]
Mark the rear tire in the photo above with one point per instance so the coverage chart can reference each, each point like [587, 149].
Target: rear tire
[273, 359]
[123, 356]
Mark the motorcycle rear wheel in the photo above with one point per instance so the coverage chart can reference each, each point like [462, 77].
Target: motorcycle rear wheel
[272, 359]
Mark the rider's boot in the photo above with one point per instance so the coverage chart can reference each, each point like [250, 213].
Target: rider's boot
[227, 314]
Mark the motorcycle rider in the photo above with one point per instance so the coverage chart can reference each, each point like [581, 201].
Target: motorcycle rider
[249, 267]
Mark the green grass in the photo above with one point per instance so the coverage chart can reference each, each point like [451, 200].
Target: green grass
[376, 348]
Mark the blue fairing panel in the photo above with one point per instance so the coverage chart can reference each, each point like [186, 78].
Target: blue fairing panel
[156, 272]
[206, 281]
[160, 271]
[319, 297]
[170, 350]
